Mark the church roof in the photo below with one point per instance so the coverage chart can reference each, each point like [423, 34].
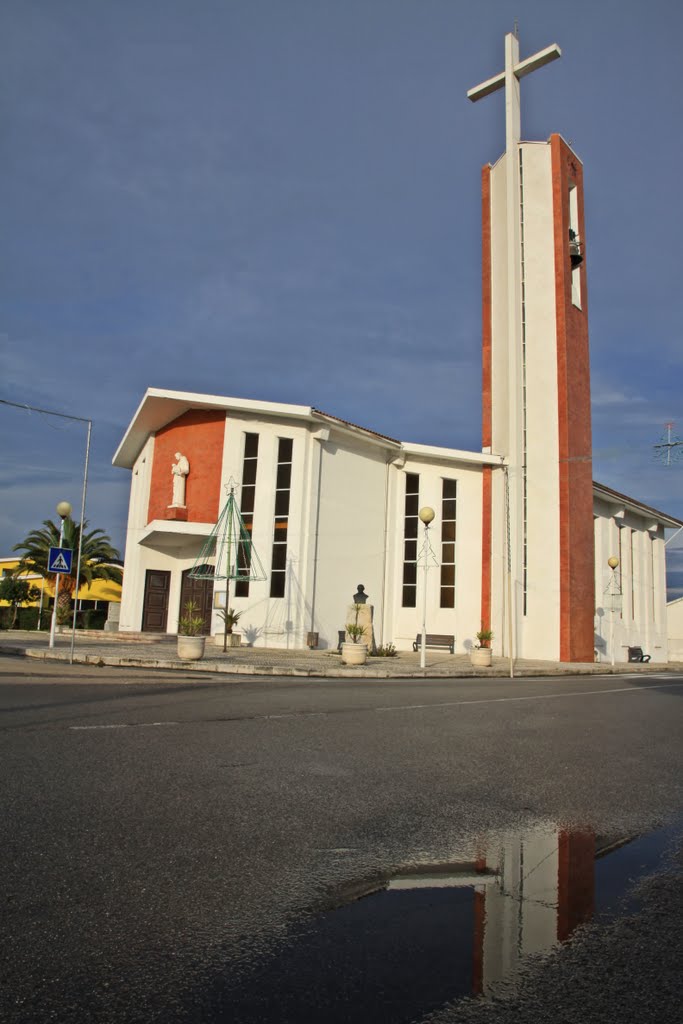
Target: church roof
[355, 426]
[160, 407]
[616, 498]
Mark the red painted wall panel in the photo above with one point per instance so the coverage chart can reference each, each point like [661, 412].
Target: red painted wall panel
[198, 435]
[577, 556]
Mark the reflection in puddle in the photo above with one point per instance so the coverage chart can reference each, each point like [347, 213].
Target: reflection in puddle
[415, 940]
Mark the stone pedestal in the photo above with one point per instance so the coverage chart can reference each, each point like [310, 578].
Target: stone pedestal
[232, 640]
[176, 513]
[113, 616]
[365, 615]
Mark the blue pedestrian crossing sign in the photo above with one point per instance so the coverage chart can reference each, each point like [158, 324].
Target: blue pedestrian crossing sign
[59, 560]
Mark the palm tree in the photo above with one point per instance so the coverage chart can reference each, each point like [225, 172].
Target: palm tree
[97, 555]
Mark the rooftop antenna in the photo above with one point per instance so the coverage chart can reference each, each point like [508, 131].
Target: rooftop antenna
[670, 448]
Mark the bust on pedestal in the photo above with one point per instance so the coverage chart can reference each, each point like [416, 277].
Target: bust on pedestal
[358, 618]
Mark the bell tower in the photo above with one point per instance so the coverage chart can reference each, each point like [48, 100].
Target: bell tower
[538, 562]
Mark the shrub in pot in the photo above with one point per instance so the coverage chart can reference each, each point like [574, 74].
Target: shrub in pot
[481, 654]
[356, 652]
[230, 618]
[191, 638]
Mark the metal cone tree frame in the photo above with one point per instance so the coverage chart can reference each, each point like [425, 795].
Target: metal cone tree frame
[228, 552]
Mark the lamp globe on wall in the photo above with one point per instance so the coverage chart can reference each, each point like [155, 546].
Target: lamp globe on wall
[426, 515]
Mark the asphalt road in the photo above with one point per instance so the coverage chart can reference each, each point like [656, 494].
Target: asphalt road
[163, 836]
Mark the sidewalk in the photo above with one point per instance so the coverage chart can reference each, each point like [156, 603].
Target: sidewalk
[160, 653]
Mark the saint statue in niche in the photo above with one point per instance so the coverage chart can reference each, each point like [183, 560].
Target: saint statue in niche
[180, 470]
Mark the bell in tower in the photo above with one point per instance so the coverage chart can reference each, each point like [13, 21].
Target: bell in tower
[575, 255]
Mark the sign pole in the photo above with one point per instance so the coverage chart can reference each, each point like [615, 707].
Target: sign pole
[53, 623]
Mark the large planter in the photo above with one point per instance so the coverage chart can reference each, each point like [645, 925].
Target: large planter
[480, 657]
[354, 654]
[191, 648]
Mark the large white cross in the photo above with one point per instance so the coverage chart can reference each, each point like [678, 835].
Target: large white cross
[509, 80]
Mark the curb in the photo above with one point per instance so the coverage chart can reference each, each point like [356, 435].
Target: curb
[336, 672]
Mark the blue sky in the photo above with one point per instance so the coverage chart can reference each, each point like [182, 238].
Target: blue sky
[279, 199]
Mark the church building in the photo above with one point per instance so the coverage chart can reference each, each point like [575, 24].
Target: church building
[521, 535]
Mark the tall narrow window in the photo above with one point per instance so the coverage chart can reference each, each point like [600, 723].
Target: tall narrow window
[278, 572]
[575, 240]
[448, 503]
[410, 532]
[249, 467]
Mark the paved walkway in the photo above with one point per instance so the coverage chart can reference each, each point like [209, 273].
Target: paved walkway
[160, 653]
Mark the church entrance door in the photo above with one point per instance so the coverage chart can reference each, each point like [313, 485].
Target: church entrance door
[155, 604]
[201, 592]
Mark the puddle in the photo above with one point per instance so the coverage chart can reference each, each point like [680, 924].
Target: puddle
[409, 943]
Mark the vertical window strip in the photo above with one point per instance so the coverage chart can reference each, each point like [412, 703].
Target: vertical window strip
[525, 493]
[633, 577]
[278, 571]
[410, 536]
[574, 229]
[652, 577]
[620, 556]
[449, 490]
[247, 500]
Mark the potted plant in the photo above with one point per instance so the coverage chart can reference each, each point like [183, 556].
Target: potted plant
[230, 618]
[480, 655]
[356, 652]
[191, 638]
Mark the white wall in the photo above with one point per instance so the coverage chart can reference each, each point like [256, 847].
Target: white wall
[675, 629]
[349, 510]
[540, 628]
[132, 592]
[267, 621]
[534, 370]
[464, 620]
[641, 578]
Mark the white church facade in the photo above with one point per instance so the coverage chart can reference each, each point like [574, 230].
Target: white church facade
[521, 533]
[330, 505]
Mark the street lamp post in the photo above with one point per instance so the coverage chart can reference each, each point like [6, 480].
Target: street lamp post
[63, 511]
[426, 515]
[613, 563]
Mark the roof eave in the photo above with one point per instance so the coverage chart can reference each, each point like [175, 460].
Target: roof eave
[160, 407]
[616, 498]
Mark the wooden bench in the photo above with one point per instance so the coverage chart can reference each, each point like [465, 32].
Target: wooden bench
[636, 654]
[435, 640]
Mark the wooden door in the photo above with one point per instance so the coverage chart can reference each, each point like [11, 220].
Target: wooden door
[155, 606]
[201, 592]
